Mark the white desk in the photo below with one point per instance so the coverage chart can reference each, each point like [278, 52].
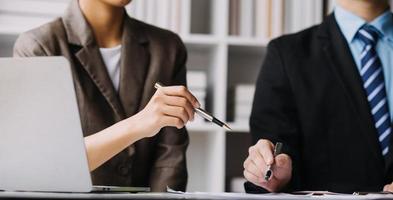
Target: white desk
[191, 196]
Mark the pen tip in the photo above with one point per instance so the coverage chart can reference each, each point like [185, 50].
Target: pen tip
[227, 127]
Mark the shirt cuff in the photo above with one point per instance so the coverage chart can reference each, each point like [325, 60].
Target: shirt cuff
[253, 189]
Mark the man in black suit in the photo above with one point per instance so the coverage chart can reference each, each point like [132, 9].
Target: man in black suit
[325, 94]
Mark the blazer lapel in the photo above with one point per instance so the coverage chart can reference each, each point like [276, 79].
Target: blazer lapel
[343, 65]
[134, 66]
[92, 62]
[79, 33]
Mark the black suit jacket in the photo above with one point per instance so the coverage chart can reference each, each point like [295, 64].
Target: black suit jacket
[309, 96]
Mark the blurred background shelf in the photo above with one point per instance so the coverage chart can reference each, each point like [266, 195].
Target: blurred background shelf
[200, 39]
[201, 127]
[228, 52]
[247, 41]
[239, 127]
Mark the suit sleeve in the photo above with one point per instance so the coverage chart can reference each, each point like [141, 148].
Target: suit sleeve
[273, 114]
[28, 46]
[170, 166]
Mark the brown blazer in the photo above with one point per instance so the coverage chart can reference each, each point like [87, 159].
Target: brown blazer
[149, 54]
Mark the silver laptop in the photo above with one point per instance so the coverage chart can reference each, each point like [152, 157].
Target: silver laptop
[41, 141]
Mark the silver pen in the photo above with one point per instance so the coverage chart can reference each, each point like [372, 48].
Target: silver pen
[204, 114]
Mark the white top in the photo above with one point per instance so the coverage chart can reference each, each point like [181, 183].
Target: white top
[111, 57]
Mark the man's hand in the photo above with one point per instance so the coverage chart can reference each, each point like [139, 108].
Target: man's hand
[256, 165]
[388, 188]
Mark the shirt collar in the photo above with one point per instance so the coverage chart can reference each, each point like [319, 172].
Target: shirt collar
[384, 24]
[350, 23]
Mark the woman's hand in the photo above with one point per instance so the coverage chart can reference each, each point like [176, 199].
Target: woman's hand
[170, 106]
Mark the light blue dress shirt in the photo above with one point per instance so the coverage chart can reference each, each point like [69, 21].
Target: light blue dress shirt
[350, 23]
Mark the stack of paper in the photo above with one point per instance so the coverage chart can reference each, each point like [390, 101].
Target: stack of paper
[243, 102]
[197, 84]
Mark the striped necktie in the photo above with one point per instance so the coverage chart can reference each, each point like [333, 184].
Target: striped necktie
[374, 85]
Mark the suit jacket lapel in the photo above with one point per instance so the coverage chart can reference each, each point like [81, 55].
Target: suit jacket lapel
[134, 66]
[79, 33]
[92, 62]
[343, 65]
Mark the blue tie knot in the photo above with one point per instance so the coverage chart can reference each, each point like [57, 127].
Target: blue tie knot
[368, 34]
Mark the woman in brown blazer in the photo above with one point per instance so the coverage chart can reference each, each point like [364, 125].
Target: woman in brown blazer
[134, 135]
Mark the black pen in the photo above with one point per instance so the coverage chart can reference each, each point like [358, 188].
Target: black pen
[277, 151]
[204, 114]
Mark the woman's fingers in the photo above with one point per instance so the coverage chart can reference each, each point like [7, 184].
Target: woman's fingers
[172, 106]
[180, 102]
[172, 121]
[180, 91]
[175, 111]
